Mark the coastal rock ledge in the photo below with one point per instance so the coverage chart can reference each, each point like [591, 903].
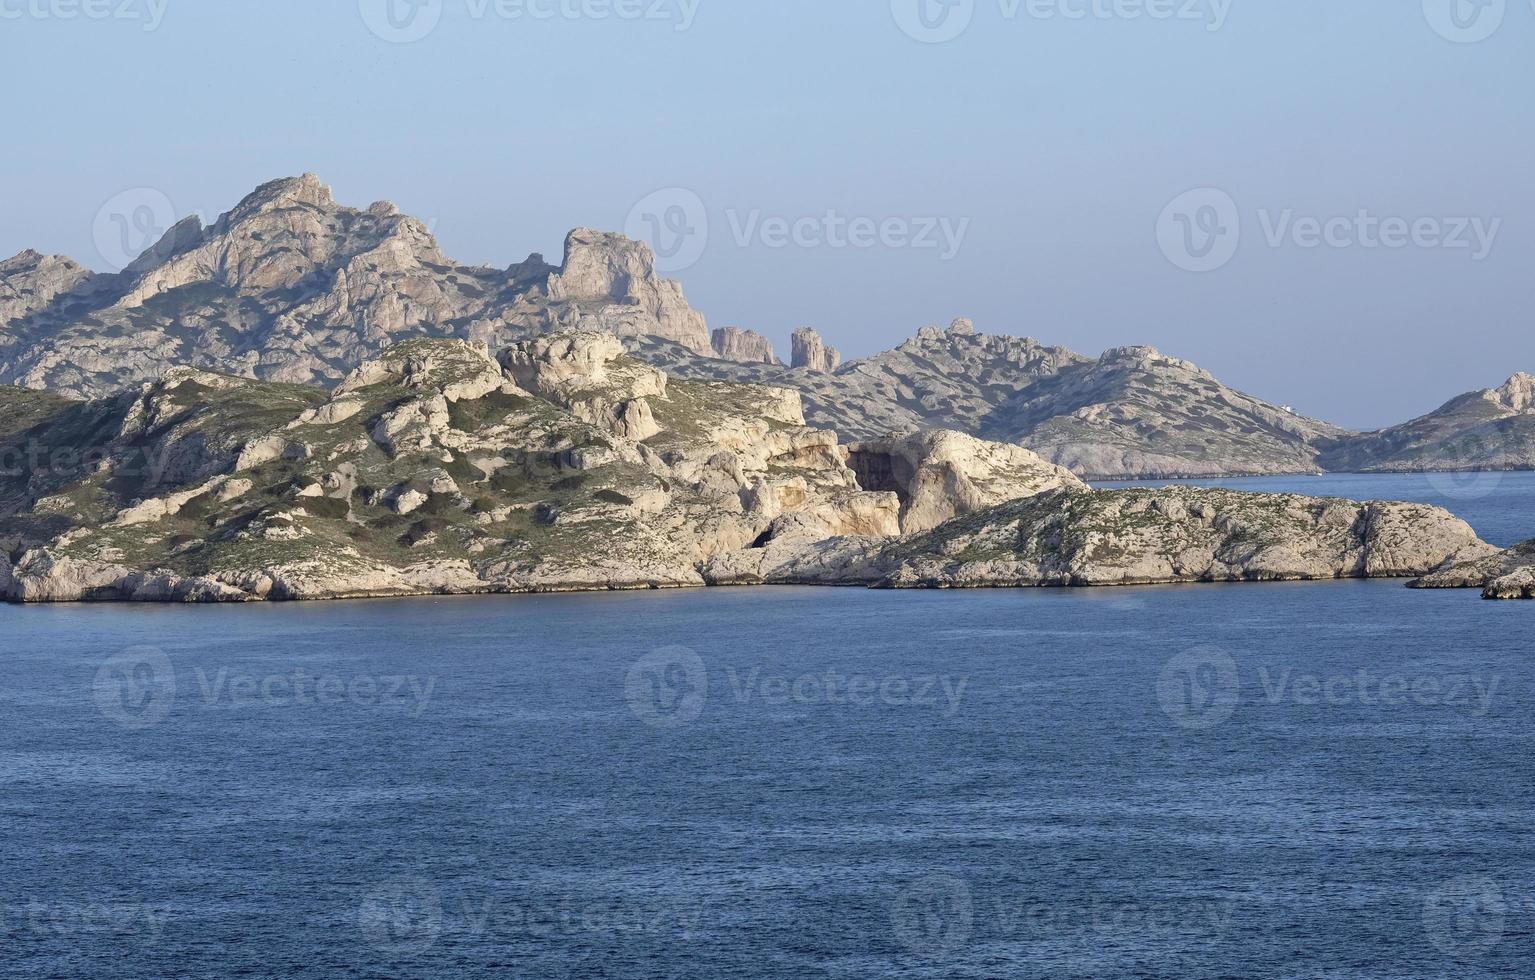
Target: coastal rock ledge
[1505, 575]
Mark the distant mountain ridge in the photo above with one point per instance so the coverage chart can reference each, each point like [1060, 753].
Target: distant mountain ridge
[289, 286]
[1482, 430]
[1132, 412]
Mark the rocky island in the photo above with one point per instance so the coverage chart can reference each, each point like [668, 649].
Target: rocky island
[564, 464]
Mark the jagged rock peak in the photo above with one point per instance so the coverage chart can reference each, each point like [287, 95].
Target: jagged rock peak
[609, 268]
[29, 281]
[602, 265]
[811, 352]
[26, 257]
[960, 327]
[1517, 394]
[1148, 358]
[183, 236]
[745, 346]
[287, 191]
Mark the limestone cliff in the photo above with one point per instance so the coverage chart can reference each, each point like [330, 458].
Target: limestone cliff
[432, 468]
[811, 353]
[745, 346]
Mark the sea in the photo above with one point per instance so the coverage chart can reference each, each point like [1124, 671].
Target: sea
[1278, 780]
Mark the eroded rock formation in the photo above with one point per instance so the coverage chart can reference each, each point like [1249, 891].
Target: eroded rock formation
[812, 354]
[745, 346]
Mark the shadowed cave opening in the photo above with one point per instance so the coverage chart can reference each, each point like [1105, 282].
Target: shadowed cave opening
[882, 472]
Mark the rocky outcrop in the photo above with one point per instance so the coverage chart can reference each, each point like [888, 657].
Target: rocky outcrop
[1504, 575]
[432, 468]
[1182, 535]
[812, 354]
[609, 283]
[30, 282]
[745, 346]
[1483, 430]
[938, 475]
[1178, 534]
[941, 379]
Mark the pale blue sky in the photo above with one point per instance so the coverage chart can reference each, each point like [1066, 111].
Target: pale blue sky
[1059, 141]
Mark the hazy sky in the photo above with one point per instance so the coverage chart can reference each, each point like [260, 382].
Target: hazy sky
[866, 166]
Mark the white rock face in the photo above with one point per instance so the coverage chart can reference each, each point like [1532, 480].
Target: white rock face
[1517, 395]
[745, 346]
[29, 282]
[939, 475]
[812, 354]
[566, 361]
[586, 372]
[613, 281]
[1131, 412]
[291, 286]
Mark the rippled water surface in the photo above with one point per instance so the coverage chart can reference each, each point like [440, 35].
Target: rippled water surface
[1247, 780]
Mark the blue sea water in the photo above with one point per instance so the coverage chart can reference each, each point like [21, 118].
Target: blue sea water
[1307, 780]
